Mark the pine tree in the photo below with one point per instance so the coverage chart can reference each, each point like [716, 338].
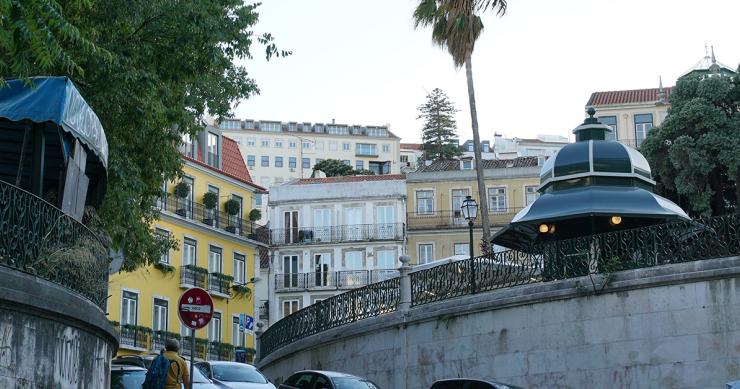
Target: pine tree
[439, 133]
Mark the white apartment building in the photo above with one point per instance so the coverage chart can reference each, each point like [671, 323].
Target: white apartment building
[540, 146]
[333, 234]
[411, 154]
[277, 152]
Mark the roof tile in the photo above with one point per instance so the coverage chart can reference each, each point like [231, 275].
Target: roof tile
[232, 162]
[440, 166]
[340, 179]
[627, 96]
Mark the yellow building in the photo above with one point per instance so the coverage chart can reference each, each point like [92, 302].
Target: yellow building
[216, 251]
[436, 227]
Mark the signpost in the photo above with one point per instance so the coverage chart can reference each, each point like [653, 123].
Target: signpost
[195, 309]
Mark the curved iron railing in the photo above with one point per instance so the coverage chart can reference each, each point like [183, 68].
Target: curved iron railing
[38, 238]
[604, 254]
[373, 300]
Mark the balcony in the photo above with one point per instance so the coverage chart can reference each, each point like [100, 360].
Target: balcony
[219, 284]
[343, 279]
[133, 337]
[201, 347]
[213, 218]
[159, 339]
[220, 351]
[192, 276]
[337, 234]
[454, 219]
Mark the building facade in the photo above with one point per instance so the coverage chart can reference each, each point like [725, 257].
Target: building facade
[411, 155]
[331, 235]
[216, 251]
[435, 225]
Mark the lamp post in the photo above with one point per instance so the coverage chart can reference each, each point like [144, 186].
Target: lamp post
[469, 210]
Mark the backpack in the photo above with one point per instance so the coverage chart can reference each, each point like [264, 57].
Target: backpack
[156, 375]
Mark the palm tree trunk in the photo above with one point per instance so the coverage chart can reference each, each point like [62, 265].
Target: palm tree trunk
[482, 203]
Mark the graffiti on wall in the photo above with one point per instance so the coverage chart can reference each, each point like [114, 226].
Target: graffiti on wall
[67, 358]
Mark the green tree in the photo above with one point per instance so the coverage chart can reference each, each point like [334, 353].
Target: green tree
[456, 26]
[438, 134]
[695, 153]
[335, 168]
[150, 70]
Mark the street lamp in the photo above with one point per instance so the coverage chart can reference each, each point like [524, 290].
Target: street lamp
[469, 210]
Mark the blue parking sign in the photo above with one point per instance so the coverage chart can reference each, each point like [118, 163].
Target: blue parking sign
[249, 324]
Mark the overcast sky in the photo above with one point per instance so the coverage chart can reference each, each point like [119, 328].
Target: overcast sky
[362, 62]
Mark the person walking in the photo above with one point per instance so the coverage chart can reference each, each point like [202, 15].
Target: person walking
[178, 372]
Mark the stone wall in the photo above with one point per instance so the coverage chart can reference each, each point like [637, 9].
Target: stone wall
[51, 337]
[675, 326]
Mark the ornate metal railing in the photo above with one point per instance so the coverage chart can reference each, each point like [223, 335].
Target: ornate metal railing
[159, 339]
[372, 300]
[337, 234]
[38, 238]
[454, 219]
[219, 283]
[603, 254]
[133, 336]
[192, 277]
[213, 218]
[343, 279]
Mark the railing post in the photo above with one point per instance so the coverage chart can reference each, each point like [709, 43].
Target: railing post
[257, 341]
[404, 303]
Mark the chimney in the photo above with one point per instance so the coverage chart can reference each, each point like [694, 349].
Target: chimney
[333, 122]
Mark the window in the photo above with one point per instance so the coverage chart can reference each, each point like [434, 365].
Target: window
[214, 328]
[346, 146]
[212, 149]
[292, 162]
[610, 121]
[189, 249]
[347, 162]
[322, 269]
[386, 148]
[189, 198]
[306, 145]
[256, 201]
[265, 143]
[270, 126]
[278, 161]
[239, 268]
[306, 163]
[290, 306]
[129, 305]
[643, 124]
[163, 235]
[159, 318]
[265, 161]
[366, 149]
[471, 146]
[188, 146]
[332, 146]
[379, 167]
[404, 158]
[292, 127]
[320, 145]
[377, 131]
[426, 253]
[215, 264]
[292, 144]
[251, 142]
[486, 148]
[531, 193]
[467, 164]
[458, 195]
[290, 271]
[462, 249]
[353, 260]
[384, 227]
[237, 337]
[386, 259]
[424, 201]
[497, 199]
[250, 160]
[359, 165]
[337, 129]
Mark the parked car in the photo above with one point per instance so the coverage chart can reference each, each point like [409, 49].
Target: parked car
[467, 383]
[317, 379]
[235, 375]
[131, 376]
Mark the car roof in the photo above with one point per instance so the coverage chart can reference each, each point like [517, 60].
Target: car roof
[475, 380]
[331, 374]
[117, 366]
[229, 363]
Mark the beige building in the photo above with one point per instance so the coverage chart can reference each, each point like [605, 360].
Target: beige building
[435, 226]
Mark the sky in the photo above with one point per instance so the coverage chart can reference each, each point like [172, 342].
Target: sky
[362, 62]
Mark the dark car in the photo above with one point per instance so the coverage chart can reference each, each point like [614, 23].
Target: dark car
[317, 379]
[126, 376]
[467, 383]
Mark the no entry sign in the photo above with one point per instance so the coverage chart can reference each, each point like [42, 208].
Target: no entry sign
[195, 308]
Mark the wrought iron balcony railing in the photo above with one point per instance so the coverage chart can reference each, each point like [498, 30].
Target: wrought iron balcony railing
[343, 279]
[133, 336]
[337, 234]
[38, 238]
[454, 219]
[192, 277]
[213, 218]
[220, 351]
[159, 339]
[219, 283]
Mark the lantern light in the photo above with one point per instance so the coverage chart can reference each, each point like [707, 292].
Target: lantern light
[544, 228]
[615, 220]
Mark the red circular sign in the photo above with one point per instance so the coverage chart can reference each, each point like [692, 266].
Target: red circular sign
[195, 308]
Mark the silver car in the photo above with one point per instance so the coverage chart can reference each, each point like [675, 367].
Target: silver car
[131, 374]
[235, 375]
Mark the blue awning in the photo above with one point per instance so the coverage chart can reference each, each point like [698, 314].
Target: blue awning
[57, 100]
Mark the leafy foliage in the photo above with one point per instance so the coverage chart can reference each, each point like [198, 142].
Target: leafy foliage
[695, 153]
[150, 70]
[210, 200]
[335, 168]
[231, 206]
[255, 215]
[439, 131]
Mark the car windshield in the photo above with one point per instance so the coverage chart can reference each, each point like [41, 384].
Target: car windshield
[198, 376]
[127, 379]
[353, 383]
[237, 373]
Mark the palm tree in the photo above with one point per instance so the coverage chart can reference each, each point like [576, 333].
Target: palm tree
[456, 27]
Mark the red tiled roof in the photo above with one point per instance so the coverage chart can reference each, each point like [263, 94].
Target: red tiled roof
[411, 146]
[232, 162]
[441, 166]
[340, 179]
[627, 96]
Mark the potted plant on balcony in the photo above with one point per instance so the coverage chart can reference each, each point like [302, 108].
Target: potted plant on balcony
[182, 190]
[165, 268]
[222, 282]
[255, 215]
[210, 202]
[196, 274]
[241, 290]
[231, 207]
